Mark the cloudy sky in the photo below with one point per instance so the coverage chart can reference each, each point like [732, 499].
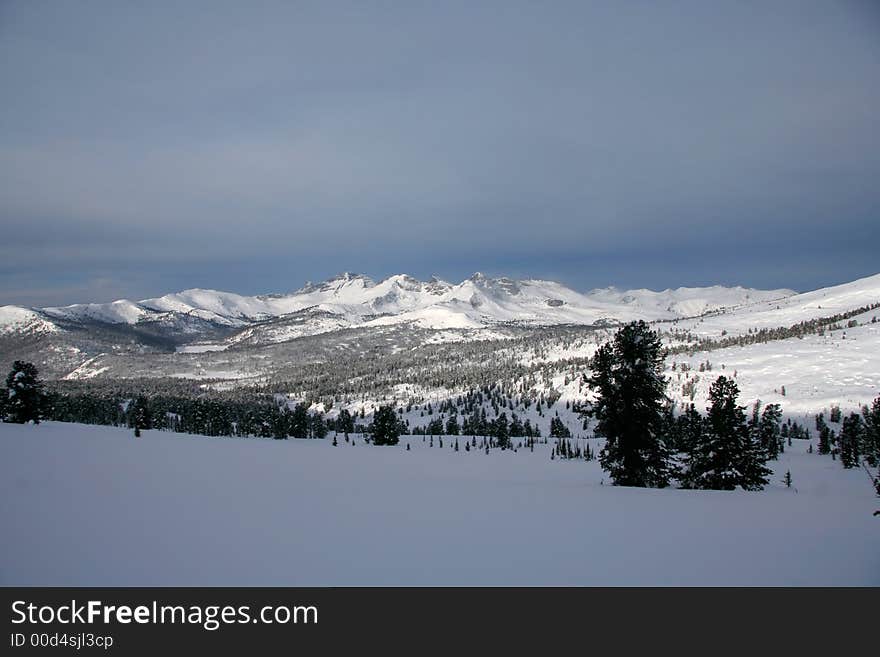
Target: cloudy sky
[249, 146]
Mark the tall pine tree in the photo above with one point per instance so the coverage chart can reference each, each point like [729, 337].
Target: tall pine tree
[344, 422]
[139, 417]
[769, 431]
[729, 455]
[24, 394]
[871, 434]
[851, 436]
[627, 378]
[300, 423]
[385, 428]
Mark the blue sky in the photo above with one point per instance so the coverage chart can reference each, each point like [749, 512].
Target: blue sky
[151, 147]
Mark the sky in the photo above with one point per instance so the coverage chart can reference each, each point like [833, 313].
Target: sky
[249, 147]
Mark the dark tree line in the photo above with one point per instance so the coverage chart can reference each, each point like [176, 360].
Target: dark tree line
[27, 400]
[858, 438]
[204, 416]
[479, 424]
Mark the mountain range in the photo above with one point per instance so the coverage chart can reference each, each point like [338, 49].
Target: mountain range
[352, 300]
[353, 342]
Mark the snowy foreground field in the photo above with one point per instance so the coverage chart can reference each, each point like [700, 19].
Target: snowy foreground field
[86, 505]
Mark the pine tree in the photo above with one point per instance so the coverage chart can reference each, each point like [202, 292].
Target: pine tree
[280, 424]
[836, 414]
[300, 423]
[317, 426]
[769, 433]
[24, 394]
[385, 428]
[139, 414]
[690, 427]
[516, 427]
[501, 432]
[558, 428]
[825, 440]
[850, 440]
[754, 423]
[871, 433]
[344, 422]
[435, 427]
[728, 455]
[626, 375]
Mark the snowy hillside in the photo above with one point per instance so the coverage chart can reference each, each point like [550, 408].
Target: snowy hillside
[789, 310]
[685, 301]
[805, 376]
[14, 319]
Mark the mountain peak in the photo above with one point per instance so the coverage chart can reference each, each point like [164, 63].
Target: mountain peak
[347, 276]
[335, 282]
[402, 278]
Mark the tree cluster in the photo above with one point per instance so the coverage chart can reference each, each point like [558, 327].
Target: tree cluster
[648, 446]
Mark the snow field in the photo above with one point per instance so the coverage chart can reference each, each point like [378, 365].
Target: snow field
[88, 505]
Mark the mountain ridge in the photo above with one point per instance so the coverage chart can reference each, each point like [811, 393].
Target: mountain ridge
[477, 300]
[352, 336]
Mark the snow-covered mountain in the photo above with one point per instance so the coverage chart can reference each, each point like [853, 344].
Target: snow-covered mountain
[401, 338]
[351, 300]
[14, 319]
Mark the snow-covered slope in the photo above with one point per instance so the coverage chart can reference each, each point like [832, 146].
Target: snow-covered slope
[14, 319]
[790, 310]
[686, 301]
[117, 312]
[806, 375]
